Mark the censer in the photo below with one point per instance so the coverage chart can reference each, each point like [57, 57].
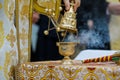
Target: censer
[67, 23]
[66, 49]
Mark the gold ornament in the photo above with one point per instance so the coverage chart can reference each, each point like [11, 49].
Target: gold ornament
[66, 49]
[58, 29]
[68, 21]
[53, 14]
[60, 8]
[11, 38]
[46, 32]
[63, 34]
[23, 36]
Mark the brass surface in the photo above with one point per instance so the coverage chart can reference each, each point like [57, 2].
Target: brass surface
[66, 49]
[68, 21]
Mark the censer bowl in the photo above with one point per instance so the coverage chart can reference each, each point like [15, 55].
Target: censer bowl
[67, 49]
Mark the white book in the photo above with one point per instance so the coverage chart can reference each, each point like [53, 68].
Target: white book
[90, 54]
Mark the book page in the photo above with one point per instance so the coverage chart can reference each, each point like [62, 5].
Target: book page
[88, 54]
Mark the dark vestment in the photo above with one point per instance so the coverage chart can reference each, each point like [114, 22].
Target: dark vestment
[46, 45]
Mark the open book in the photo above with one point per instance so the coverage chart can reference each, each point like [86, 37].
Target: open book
[90, 54]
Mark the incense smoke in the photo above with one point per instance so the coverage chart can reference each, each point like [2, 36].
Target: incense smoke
[95, 38]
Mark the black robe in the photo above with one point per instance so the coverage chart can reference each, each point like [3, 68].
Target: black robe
[95, 10]
[46, 45]
[89, 9]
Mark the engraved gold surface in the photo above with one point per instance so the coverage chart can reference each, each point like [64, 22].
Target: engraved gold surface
[66, 49]
[68, 21]
[30, 29]
[48, 7]
[17, 27]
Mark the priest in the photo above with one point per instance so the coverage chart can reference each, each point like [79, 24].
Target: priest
[90, 10]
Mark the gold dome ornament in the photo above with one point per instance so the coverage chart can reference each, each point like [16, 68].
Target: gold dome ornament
[68, 21]
[46, 32]
[60, 8]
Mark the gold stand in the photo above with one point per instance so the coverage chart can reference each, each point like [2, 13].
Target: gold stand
[66, 49]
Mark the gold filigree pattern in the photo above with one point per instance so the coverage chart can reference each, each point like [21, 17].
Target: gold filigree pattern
[1, 34]
[11, 38]
[23, 55]
[56, 71]
[24, 13]
[9, 7]
[23, 36]
[50, 74]
[24, 10]
[8, 65]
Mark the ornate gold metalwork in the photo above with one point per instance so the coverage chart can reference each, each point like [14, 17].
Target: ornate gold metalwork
[67, 71]
[48, 7]
[46, 32]
[17, 27]
[68, 21]
[66, 49]
[30, 29]
[11, 38]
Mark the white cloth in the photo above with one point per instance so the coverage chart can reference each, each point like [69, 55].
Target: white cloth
[35, 30]
[87, 54]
